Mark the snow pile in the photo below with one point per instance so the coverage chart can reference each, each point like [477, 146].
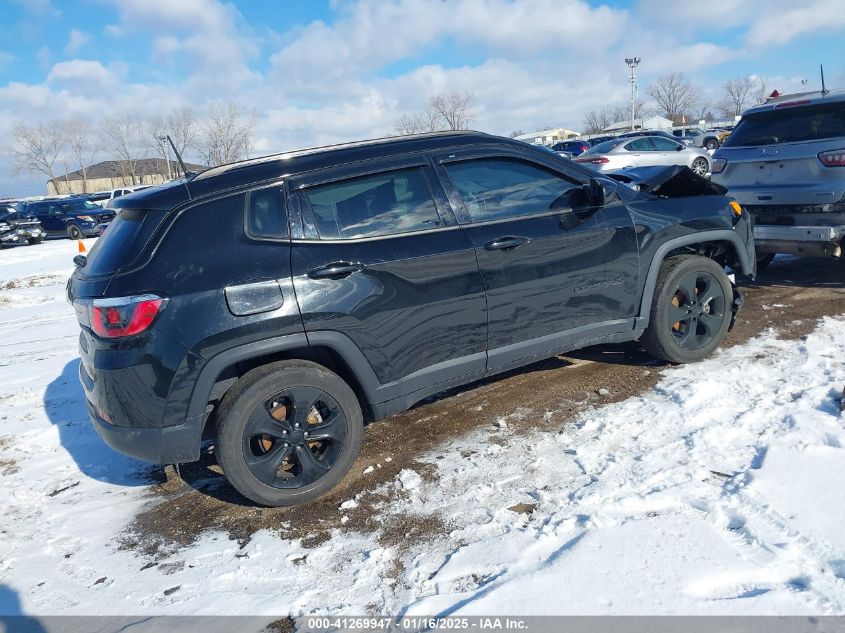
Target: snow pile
[718, 492]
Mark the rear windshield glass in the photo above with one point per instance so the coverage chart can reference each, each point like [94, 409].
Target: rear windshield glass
[790, 125]
[123, 241]
[602, 148]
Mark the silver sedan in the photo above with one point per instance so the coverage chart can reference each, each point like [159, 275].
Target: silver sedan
[644, 151]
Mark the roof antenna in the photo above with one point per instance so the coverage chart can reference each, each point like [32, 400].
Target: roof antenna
[185, 171]
[824, 90]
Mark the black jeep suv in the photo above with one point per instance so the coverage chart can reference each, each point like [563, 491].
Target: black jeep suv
[282, 301]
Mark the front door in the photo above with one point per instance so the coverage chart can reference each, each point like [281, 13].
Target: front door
[542, 250]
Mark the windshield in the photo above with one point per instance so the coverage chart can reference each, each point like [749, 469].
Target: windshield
[603, 148]
[790, 125]
[78, 205]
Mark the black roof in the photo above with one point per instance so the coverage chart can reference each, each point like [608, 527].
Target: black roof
[276, 166]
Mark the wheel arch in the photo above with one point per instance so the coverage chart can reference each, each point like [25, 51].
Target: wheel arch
[330, 349]
[674, 246]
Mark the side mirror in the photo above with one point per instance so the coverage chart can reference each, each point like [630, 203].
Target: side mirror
[599, 192]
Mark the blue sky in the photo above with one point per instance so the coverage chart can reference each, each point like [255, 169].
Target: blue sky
[314, 72]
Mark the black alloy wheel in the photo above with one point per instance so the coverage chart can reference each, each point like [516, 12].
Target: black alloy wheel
[294, 438]
[697, 310]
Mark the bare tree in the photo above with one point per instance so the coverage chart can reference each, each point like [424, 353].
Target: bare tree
[226, 135]
[455, 108]
[761, 89]
[125, 140]
[182, 129]
[80, 144]
[674, 95]
[409, 124]
[38, 147]
[595, 121]
[445, 111]
[737, 94]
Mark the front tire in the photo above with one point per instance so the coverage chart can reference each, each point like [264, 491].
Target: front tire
[700, 166]
[691, 309]
[288, 433]
[35, 240]
[75, 232]
[711, 143]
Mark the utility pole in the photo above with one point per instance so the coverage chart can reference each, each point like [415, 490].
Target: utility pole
[633, 62]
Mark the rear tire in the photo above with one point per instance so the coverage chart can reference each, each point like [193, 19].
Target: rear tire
[75, 232]
[711, 143]
[690, 311]
[288, 432]
[764, 260]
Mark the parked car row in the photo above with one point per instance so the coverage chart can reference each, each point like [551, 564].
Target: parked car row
[75, 216]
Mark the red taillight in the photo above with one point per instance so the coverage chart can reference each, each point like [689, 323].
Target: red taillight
[833, 158]
[599, 160]
[124, 316]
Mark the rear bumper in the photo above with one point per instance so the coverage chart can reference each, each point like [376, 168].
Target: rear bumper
[167, 445]
[808, 241]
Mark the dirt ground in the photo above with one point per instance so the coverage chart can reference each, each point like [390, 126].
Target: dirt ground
[789, 296]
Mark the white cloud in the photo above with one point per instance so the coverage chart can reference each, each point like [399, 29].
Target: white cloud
[775, 28]
[75, 41]
[81, 72]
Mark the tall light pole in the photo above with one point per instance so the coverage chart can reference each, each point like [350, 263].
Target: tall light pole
[633, 62]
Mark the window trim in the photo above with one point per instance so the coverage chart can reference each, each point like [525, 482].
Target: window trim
[453, 190]
[282, 190]
[307, 212]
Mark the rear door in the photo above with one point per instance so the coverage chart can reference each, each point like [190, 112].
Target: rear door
[543, 252]
[642, 152]
[380, 259]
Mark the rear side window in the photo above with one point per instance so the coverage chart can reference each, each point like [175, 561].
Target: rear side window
[494, 189]
[640, 145]
[790, 125]
[266, 214]
[382, 204]
[123, 241]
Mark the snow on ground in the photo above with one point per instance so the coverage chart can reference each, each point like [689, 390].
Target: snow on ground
[718, 492]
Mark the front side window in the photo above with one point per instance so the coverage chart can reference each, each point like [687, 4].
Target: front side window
[498, 188]
[389, 203]
[266, 214]
[664, 144]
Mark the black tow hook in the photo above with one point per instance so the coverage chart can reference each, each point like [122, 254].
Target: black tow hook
[736, 304]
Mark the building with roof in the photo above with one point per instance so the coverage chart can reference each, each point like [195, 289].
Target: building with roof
[651, 123]
[548, 137]
[114, 174]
